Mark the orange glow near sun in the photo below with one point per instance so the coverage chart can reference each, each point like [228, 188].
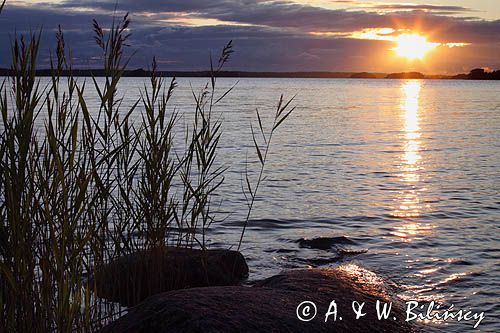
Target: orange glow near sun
[413, 46]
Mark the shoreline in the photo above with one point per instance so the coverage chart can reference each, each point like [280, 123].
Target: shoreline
[474, 75]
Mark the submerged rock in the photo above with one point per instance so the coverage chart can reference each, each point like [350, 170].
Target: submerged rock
[324, 243]
[270, 306]
[130, 279]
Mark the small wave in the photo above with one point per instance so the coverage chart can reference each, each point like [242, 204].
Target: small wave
[351, 252]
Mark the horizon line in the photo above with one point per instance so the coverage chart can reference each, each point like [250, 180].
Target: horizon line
[140, 72]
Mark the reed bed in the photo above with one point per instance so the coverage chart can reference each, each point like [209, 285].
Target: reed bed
[92, 185]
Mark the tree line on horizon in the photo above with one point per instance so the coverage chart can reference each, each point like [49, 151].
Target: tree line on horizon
[475, 74]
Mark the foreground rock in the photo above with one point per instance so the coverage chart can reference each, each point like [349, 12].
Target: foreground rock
[131, 279]
[269, 306]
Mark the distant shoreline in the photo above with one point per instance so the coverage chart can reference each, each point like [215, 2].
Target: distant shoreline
[476, 74]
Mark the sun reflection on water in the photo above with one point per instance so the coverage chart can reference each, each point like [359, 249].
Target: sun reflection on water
[408, 201]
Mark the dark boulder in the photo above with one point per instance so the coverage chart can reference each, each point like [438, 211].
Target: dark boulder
[270, 306]
[132, 278]
[324, 243]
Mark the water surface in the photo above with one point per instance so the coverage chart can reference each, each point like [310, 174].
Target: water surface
[407, 170]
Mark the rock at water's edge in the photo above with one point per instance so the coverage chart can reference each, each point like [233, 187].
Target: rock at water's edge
[130, 279]
[269, 306]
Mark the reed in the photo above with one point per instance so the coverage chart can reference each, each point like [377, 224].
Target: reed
[283, 111]
[79, 187]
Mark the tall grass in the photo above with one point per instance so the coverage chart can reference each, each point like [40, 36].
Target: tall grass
[79, 187]
[283, 111]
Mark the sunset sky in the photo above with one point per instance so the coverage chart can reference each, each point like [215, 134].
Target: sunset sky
[432, 36]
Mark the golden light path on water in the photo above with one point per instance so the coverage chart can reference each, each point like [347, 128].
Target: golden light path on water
[408, 201]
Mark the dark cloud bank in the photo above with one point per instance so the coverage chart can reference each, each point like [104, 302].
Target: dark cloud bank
[268, 36]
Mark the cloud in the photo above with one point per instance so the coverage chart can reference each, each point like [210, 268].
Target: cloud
[450, 9]
[269, 35]
[307, 18]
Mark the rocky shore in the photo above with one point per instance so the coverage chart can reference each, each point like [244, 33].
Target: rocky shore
[273, 306]
[130, 279]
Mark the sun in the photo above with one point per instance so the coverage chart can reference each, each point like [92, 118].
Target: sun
[413, 46]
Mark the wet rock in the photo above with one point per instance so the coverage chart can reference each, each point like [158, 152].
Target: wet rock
[324, 243]
[132, 278]
[269, 306]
